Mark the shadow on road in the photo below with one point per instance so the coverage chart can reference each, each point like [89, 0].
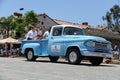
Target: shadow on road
[81, 64]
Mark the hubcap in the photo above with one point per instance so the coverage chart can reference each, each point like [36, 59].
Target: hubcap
[73, 56]
[30, 54]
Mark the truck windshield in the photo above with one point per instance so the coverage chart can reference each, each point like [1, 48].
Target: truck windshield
[73, 31]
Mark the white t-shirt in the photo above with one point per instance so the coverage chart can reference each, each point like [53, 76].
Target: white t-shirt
[46, 35]
[31, 34]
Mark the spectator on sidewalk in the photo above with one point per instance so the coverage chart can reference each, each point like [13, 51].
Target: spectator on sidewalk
[116, 52]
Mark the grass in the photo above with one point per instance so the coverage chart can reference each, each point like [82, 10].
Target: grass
[115, 62]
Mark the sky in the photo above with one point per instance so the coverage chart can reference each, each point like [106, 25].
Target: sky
[76, 11]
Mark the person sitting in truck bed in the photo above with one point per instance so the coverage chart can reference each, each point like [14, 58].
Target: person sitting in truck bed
[32, 33]
[46, 33]
[38, 37]
[40, 32]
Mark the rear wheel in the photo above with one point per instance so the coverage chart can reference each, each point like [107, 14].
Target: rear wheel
[53, 58]
[30, 55]
[74, 56]
[96, 60]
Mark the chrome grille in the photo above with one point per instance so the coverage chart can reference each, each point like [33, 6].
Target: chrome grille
[101, 44]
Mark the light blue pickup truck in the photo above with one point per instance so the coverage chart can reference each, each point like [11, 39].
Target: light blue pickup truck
[69, 42]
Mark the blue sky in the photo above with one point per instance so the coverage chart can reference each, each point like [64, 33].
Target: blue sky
[76, 11]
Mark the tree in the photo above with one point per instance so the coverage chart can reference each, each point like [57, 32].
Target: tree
[31, 18]
[113, 18]
[2, 23]
[17, 24]
[7, 23]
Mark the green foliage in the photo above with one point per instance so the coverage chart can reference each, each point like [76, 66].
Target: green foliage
[18, 24]
[113, 18]
[31, 18]
[2, 21]
[115, 61]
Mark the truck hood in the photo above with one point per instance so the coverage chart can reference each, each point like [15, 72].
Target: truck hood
[84, 37]
[93, 38]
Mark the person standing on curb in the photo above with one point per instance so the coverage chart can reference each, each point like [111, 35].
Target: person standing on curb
[116, 52]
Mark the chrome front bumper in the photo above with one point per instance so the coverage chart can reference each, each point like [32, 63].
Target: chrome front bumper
[97, 54]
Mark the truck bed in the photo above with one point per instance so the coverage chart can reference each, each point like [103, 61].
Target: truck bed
[40, 47]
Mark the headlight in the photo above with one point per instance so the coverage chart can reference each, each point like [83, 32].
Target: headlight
[91, 43]
[109, 46]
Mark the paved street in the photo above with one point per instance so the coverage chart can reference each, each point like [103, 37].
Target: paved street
[43, 69]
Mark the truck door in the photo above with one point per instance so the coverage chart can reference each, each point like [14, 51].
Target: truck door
[56, 43]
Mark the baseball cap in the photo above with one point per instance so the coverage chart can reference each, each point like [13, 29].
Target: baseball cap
[32, 27]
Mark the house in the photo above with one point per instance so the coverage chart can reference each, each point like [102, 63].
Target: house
[102, 31]
[45, 21]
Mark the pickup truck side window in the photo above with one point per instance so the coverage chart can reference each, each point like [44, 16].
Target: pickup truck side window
[73, 31]
[57, 31]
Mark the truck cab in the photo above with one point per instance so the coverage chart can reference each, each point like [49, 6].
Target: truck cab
[69, 42]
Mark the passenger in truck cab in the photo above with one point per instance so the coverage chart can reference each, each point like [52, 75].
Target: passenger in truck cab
[57, 32]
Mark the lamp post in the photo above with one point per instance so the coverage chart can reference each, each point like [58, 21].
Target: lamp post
[17, 14]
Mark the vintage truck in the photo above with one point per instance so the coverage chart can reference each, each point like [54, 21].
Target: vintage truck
[69, 42]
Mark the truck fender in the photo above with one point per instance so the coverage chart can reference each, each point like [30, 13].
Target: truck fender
[72, 47]
[34, 46]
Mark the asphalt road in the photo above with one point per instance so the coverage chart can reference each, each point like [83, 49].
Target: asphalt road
[43, 69]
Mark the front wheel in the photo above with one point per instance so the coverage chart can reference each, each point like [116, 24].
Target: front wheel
[96, 60]
[74, 56]
[30, 55]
